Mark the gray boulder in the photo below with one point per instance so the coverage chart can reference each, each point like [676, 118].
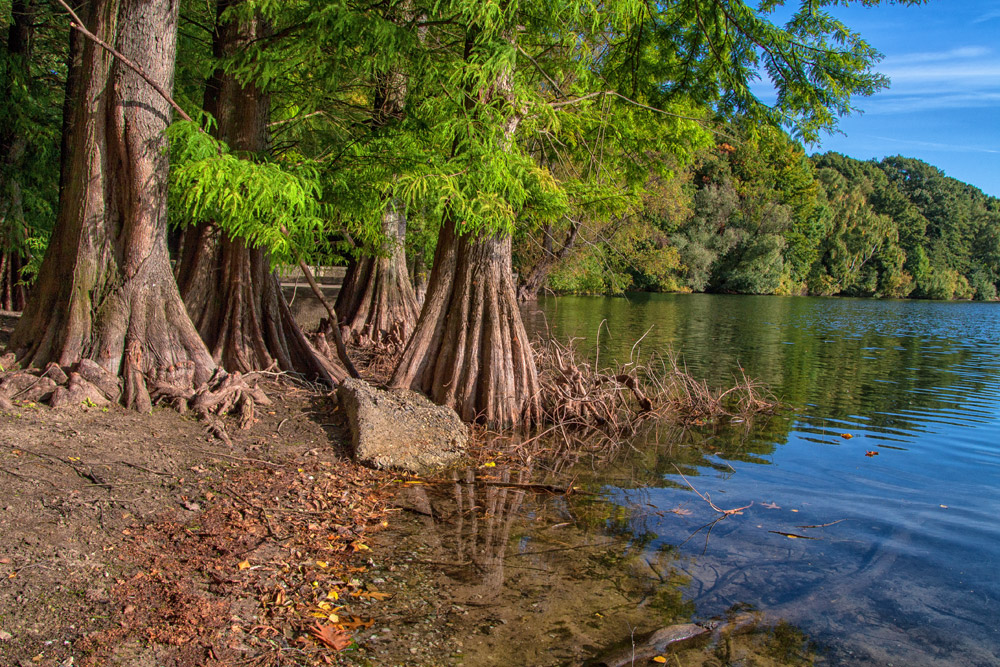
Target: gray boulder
[400, 429]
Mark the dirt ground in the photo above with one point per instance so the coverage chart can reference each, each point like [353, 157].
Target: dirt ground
[131, 539]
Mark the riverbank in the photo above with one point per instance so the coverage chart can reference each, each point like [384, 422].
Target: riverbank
[133, 539]
[130, 539]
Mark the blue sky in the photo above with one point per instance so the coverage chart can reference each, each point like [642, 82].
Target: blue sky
[944, 102]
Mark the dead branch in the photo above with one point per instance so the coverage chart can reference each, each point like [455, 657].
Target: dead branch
[708, 499]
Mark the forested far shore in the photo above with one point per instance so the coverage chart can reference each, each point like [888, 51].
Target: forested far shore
[758, 216]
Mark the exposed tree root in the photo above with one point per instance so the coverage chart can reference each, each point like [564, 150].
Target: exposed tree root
[86, 383]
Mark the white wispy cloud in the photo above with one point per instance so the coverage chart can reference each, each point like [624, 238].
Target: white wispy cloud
[960, 53]
[961, 77]
[935, 145]
[889, 103]
[988, 16]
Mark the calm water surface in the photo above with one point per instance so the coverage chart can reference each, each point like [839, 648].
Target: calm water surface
[903, 566]
[884, 559]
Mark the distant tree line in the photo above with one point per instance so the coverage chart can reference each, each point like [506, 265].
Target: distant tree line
[754, 215]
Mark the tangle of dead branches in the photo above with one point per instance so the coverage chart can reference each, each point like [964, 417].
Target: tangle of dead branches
[615, 401]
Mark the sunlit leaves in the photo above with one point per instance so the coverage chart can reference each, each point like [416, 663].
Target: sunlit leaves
[267, 205]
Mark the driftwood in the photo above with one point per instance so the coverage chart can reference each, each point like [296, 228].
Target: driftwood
[654, 644]
[675, 637]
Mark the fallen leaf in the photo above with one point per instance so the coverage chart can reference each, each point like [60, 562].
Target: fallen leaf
[846, 436]
[660, 659]
[871, 453]
[358, 546]
[330, 636]
[944, 506]
[793, 536]
[244, 565]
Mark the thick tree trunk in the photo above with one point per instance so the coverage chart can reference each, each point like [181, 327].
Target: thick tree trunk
[230, 291]
[13, 229]
[470, 350]
[105, 291]
[377, 303]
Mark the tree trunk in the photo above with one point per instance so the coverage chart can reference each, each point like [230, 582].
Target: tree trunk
[230, 291]
[13, 228]
[377, 303]
[105, 291]
[470, 350]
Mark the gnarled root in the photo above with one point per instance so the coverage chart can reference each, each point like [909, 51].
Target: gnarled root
[87, 383]
[225, 393]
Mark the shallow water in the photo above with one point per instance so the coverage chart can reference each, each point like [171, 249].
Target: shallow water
[888, 559]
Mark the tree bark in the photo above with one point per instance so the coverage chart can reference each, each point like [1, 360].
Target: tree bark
[470, 350]
[377, 303]
[105, 291]
[230, 291]
[13, 228]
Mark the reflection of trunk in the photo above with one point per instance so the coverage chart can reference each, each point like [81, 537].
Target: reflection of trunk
[539, 273]
[486, 545]
[105, 291]
[13, 229]
[230, 291]
[475, 532]
[470, 350]
[376, 302]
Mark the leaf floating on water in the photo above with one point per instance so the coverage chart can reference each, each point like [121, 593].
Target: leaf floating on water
[660, 659]
[846, 436]
[871, 453]
[944, 506]
[793, 536]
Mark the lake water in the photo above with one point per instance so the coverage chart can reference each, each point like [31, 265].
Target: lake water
[883, 548]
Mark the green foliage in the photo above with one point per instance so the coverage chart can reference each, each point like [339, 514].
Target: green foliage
[267, 205]
[30, 123]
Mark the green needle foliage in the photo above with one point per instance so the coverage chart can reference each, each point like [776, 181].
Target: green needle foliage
[268, 205]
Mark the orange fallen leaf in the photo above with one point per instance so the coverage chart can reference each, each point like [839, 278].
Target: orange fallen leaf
[330, 636]
[244, 565]
[660, 659]
[871, 453]
[846, 436]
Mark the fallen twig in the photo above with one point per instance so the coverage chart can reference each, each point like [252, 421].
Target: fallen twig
[708, 499]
